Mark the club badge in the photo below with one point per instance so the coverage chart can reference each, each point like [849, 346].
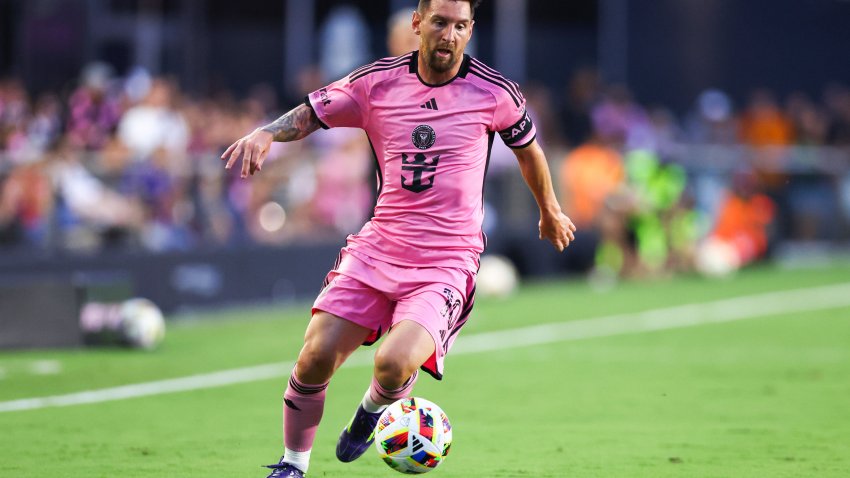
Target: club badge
[424, 136]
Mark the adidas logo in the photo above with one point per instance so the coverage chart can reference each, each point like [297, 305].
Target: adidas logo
[431, 105]
[417, 444]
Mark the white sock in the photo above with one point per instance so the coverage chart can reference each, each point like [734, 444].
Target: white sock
[300, 459]
[370, 406]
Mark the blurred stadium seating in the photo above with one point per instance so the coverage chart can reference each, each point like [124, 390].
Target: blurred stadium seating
[112, 153]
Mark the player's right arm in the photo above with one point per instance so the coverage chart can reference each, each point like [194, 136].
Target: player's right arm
[254, 147]
[336, 105]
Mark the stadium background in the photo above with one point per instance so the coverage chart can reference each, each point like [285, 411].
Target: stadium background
[113, 113]
[687, 139]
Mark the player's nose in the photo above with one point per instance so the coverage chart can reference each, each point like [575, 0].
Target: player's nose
[448, 37]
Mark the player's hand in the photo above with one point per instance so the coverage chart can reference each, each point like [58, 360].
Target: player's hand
[253, 148]
[557, 229]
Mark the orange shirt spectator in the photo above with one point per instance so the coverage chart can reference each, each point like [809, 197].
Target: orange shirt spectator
[589, 174]
[764, 123]
[743, 222]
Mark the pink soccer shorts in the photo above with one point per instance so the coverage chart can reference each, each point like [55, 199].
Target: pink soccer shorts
[378, 295]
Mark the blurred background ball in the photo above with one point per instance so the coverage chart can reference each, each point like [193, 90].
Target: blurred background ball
[717, 258]
[142, 323]
[497, 276]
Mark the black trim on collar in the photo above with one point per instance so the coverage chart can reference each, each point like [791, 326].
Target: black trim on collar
[462, 72]
[464, 66]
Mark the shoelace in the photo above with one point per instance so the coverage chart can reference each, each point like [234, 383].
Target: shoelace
[280, 469]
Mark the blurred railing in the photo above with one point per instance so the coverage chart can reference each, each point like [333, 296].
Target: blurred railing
[727, 159]
[52, 205]
[809, 184]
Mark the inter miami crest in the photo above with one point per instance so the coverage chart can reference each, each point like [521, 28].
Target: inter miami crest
[424, 136]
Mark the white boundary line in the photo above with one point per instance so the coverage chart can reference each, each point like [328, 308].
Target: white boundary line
[725, 310]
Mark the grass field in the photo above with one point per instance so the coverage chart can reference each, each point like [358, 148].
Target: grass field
[758, 395]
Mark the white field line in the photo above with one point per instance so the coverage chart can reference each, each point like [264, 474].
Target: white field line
[726, 310]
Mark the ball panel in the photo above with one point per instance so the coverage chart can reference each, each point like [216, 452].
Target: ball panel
[408, 405]
[385, 421]
[447, 427]
[426, 425]
[395, 444]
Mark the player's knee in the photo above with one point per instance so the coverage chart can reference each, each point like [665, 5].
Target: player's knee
[315, 362]
[392, 370]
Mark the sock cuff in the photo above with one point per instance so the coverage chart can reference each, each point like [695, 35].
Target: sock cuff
[305, 389]
[393, 395]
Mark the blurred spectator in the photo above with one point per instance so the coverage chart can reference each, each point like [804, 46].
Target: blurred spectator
[541, 104]
[89, 214]
[712, 120]
[400, 36]
[14, 111]
[14, 106]
[763, 123]
[582, 92]
[160, 194]
[648, 227]
[742, 231]
[26, 201]
[344, 42]
[665, 131]
[155, 123]
[766, 127]
[588, 175]
[837, 100]
[94, 108]
[45, 126]
[620, 120]
[811, 125]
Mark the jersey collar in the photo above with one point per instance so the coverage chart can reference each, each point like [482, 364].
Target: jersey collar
[461, 73]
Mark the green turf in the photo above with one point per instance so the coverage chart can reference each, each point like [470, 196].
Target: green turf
[763, 397]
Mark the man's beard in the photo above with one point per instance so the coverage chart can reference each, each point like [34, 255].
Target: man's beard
[439, 65]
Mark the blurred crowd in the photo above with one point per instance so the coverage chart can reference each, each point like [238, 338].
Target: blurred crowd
[713, 190]
[132, 163]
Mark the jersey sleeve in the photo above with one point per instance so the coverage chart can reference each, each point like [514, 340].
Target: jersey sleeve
[340, 104]
[511, 119]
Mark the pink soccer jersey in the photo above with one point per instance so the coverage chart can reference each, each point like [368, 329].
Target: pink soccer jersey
[432, 144]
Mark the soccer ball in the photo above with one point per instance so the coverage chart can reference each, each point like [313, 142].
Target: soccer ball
[135, 322]
[142, 324]
[497, 276]
[717, 258]
[413, 435]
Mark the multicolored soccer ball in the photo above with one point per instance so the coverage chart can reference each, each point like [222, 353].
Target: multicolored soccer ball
[413, 435]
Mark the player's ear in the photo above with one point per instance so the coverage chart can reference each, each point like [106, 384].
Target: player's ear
[417, 23]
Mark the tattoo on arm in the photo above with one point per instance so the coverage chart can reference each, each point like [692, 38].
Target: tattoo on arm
[296, 124]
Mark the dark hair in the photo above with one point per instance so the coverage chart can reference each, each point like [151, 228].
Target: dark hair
[424, 4]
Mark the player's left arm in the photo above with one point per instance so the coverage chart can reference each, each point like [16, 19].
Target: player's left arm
[555, 226]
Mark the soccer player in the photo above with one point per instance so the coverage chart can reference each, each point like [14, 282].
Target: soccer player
[431, 116]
